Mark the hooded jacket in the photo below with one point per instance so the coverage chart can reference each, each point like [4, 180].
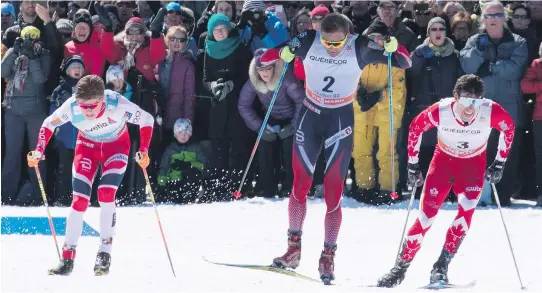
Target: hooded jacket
[287, 104]
[532, 84]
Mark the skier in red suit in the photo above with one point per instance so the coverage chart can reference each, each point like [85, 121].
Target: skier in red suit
[464, 123]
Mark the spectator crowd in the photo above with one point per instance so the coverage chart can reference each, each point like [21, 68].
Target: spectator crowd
[207, 71]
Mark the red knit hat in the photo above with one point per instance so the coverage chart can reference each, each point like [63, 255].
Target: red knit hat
[135, 26]
[320, 11]
[266, 57]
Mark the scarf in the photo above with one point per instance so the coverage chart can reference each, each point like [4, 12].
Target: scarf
[222, 49]
[129, 60]
[20, 67]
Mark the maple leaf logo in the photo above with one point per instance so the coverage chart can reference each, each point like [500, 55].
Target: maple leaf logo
[457, 232]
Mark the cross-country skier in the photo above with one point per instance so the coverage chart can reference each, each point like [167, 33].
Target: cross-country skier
[333, 59]
[101, 116]
[463, 124]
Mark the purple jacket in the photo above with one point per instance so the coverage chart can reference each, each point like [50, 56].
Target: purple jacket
[287, 105]
[177, 77]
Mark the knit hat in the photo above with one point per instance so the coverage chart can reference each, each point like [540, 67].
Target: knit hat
[96, 20]
[135, 26]
[8, 8]
[74, 60]
[377, 27]
[114, 72]
[266, 57]
[30, 32]
[253, 5]
[64, 26]
[182, 125]
[173, 6]
[216, 20]
[319, 12]
[433, 21]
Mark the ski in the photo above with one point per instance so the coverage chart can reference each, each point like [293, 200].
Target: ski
[266, 268]
[442, 285]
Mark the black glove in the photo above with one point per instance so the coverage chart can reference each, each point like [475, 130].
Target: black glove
[415, 177]
[27, 49]
[367, 100]
[158, 23]
[484, 70]
[17, 45]
[245, 17]
[104, 17]
[286, 131]
[494, 172]
[482, 42]
[269, 135]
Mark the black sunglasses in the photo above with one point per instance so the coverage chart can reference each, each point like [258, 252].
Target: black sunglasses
[181, 40]
[438, 29]
[517, 16]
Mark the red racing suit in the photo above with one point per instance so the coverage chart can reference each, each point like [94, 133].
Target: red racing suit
[459, 163]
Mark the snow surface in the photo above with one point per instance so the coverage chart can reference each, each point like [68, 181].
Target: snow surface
[254, 232]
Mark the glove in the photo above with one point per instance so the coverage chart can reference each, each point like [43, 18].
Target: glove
[367, 100]
[286, 131]
[226, 89]
[415, 177]
[245, 17]
[259, 29]
[286, 54]
[217, 86]
[162, 180]
[269, 134]
[157, 23]
[33, 158]
[104, 17]
[17, 45]
[484, 70]
[494, 172]
[142, 158]
[391, 45]
[27, 49]
[482, 41]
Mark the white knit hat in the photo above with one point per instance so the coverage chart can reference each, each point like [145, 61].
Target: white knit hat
[253, 5]
[114, 72]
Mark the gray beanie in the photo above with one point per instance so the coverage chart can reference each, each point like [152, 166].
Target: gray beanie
[433, 21]
[64, 25]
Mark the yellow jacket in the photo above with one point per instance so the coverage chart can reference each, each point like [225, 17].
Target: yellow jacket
[375, 78]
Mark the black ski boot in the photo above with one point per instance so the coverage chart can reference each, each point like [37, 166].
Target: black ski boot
[101, 266]
[65, 268]
[439, 273]
[395, 276]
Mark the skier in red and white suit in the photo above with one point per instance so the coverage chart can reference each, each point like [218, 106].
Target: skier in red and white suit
[464, 123]
[101, 116]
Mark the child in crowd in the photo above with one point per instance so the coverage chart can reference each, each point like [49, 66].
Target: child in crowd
[114, 79]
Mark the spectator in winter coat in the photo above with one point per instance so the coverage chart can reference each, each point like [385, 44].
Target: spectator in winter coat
[176, 75]
[227, 8]
[8, 16]
[224, 73]
[499, 57]
[178, 15]
[519, 22]
[26, 66]
[264, 71]
[358, 13]
[300, 23]
[73, 68]
[317, 14]
[532, 84]
[461, 29]
[115, 81]
[93, 52]
[435, 68]
[182, 166]
[387, 13]
[65, 30]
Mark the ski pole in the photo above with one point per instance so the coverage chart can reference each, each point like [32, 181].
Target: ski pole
[410, 204]
[158, 218]
[507, 235]
[393, 193]
[237, 193]
[44, 197]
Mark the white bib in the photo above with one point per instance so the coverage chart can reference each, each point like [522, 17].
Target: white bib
[332, 82]
[459, 140]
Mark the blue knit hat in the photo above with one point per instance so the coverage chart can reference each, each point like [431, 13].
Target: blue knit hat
[216, 20]
[173, 6]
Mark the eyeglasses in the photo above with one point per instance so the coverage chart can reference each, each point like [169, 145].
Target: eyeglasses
[494, 15]
[387, 7]
[180, 40]
[517, 16]
[333, 44]
[264, 68]
[89, 106]
[438, 29]
[470, 102]
[220, 30]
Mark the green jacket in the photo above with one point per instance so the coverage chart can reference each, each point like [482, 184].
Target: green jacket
[180, 160]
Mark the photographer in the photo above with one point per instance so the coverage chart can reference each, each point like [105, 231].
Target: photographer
[259, 28]
[26, 67]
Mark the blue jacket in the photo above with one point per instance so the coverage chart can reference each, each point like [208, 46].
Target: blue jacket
[277, 34]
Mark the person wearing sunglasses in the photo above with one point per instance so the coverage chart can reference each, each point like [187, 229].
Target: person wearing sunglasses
[519, 23]
[333, 59]
[103, 140]
[464, 124]
[500, 57]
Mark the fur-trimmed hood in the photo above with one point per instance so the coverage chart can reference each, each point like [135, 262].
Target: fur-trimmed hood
[449, 46]
[257, 81]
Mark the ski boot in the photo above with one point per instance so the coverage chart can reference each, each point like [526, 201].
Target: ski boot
[103, 261]
[65, 267]
[395, 276]
[439, 273]
[326, 264]
[293, 255]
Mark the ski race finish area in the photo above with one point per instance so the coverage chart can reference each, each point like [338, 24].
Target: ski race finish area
[203, 237]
